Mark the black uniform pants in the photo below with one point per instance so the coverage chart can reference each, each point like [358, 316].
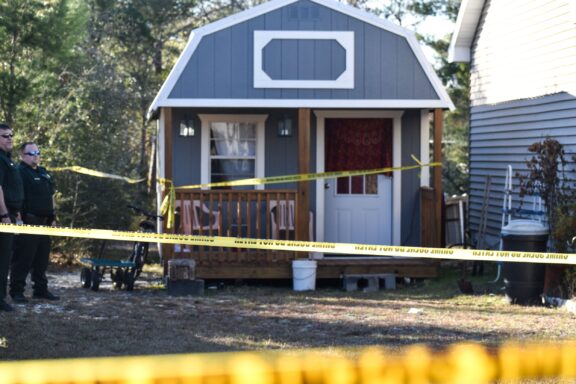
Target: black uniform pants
[5, 254]
[31, 253]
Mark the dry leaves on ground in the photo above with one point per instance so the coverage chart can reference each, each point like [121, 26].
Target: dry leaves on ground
[264, 316]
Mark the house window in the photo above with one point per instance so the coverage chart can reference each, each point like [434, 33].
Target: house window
[357, 144]
[232, 147]
[232, 151]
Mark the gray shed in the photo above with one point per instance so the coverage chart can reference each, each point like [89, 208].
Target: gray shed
[301, 86]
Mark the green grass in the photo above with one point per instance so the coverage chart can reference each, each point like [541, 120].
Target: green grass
[445, 286]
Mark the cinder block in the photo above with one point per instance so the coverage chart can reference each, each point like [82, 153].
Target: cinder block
[366, 283]
[185, 287]
[388, 280]
[181, 269]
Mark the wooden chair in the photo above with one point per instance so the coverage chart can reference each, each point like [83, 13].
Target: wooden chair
[282, 218]
[195, 218]
[204, 220]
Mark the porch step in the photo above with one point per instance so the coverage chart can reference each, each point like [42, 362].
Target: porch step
[369, 283]
[185, 287]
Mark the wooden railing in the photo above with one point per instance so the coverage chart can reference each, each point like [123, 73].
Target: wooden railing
[267, 214]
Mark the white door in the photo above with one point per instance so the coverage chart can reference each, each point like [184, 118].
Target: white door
[358, 209]
[359, 218]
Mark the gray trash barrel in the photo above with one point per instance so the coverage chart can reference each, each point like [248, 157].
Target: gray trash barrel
[524, 282]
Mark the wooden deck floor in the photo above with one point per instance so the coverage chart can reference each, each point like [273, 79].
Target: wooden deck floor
[328, 268]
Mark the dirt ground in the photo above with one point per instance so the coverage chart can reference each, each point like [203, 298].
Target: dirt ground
[232, 317]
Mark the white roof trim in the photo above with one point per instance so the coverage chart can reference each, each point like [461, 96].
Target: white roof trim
[466, 25]
[305, 103]
[161, 99]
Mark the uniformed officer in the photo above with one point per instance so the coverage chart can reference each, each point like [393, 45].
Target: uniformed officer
[11, 196]
[32, 252]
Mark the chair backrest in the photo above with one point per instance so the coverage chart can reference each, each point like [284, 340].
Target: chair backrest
[282, 217]
[200, 211]
[191, 213]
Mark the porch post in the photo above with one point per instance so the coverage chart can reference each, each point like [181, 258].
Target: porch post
[167, 248]
[302, 217]
[438, 125]
[168, 143]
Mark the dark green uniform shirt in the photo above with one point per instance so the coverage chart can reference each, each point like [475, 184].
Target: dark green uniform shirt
[11, 182]
[38, 191]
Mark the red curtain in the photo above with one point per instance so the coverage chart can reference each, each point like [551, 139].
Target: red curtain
[356, 144]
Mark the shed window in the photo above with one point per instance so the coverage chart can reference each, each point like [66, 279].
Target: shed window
[357, 144]
[232, 151]
[232, 148]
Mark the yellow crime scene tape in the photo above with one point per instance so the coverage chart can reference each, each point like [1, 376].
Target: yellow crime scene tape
[91, 172]
[305, 176]
[251, 181]
[167, 207]
[457, 364]
[460, 363]
[298, 246]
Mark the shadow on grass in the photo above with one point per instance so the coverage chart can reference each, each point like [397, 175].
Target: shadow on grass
[251, 317]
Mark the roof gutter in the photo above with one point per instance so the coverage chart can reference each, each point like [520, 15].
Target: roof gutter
[466, 26]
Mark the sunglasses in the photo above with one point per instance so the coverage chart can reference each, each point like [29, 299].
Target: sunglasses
[7, 136]
[32, 153]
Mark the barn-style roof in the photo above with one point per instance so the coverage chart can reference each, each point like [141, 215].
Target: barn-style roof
[302, 54]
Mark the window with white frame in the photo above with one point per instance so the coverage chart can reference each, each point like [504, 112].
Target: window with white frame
[232, 147]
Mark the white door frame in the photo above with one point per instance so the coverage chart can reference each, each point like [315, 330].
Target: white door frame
[396, 117]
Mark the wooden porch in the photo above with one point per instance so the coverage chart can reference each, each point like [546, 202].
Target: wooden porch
[270, 214]
[285, 214]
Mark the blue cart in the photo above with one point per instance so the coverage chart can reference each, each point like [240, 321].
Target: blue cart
[122, 272]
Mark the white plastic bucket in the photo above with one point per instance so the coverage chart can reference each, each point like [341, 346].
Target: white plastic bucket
[304, 275]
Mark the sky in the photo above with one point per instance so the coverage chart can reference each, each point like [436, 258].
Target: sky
[435, 26]
[432, 25]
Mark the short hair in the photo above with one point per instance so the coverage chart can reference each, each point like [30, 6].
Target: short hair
[4, 126]
[23, 145]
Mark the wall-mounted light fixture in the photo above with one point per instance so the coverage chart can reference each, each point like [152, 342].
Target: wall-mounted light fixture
[285, 127]
[187, 127]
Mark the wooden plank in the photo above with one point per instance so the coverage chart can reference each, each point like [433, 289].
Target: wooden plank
[428, 225]
[249, 216]
[168, 145]
[244, 271]
[303, 199]
[438, 125]
[267, 218]
[327, 269]
[167, 249]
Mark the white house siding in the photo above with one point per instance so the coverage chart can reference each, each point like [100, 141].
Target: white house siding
[523, 49]
[500, 135]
